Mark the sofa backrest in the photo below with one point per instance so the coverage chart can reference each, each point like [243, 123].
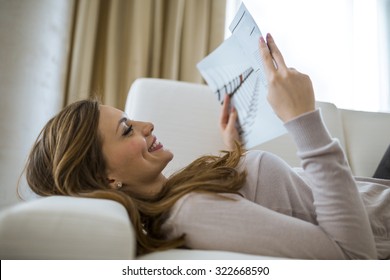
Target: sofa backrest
[186, 119]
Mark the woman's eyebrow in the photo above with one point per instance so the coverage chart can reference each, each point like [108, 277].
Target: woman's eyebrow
[123, 119]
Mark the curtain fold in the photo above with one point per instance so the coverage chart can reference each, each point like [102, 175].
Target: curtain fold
[115, 42]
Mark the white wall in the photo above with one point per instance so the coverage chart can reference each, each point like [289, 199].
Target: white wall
[384, 49]
[34, 40]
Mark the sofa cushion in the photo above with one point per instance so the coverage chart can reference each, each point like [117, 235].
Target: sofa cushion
[190, 254]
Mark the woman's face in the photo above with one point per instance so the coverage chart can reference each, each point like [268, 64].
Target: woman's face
[134, 156]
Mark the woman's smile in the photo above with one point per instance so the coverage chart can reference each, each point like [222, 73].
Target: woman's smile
[156, 145]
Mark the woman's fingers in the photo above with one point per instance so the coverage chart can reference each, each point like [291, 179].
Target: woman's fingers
[267, 57]
[233, 116]
[225, 112]
[228, 120]
[228, 115]
[275, 53]
[272, 57]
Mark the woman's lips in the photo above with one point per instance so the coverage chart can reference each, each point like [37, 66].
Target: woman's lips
[156, 145]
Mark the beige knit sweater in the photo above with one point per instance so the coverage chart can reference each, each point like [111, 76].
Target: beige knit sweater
[318, 212]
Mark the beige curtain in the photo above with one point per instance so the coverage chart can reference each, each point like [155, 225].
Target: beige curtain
[115, 42]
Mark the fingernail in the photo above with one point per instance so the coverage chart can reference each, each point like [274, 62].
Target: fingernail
[269, 36]
[262, 40]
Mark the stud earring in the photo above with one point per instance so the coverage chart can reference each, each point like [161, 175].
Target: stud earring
[119, 185]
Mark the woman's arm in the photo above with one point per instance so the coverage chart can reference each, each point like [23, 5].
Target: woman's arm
[232, 223]
[339, 208]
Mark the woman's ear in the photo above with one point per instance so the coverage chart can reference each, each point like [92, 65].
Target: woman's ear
[114, 184]
[111, 183]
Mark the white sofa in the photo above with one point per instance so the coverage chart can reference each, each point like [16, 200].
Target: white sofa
[186, 120]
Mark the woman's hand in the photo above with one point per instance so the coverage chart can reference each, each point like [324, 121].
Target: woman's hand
[290, 93]
[227, 124]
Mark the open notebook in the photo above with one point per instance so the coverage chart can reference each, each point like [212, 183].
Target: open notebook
[236, 68]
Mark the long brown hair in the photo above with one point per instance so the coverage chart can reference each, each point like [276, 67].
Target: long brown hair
[67, 159]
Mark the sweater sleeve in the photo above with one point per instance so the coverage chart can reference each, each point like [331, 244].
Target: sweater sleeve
[339, 208]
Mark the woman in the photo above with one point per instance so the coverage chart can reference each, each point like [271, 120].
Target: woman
[248, 202]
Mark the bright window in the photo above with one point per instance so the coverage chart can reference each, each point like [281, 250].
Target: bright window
[342, 44]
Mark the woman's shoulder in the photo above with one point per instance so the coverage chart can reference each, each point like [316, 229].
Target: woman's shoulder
[253, 155]
[192, 200]
[194, 206]
[253, 158]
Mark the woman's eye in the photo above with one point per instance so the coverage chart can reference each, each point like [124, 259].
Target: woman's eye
[127, 130]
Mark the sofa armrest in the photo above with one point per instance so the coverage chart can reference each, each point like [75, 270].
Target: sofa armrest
[367, 137]
[60, 227]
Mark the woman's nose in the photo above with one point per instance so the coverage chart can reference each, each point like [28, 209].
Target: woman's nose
[147, 128]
